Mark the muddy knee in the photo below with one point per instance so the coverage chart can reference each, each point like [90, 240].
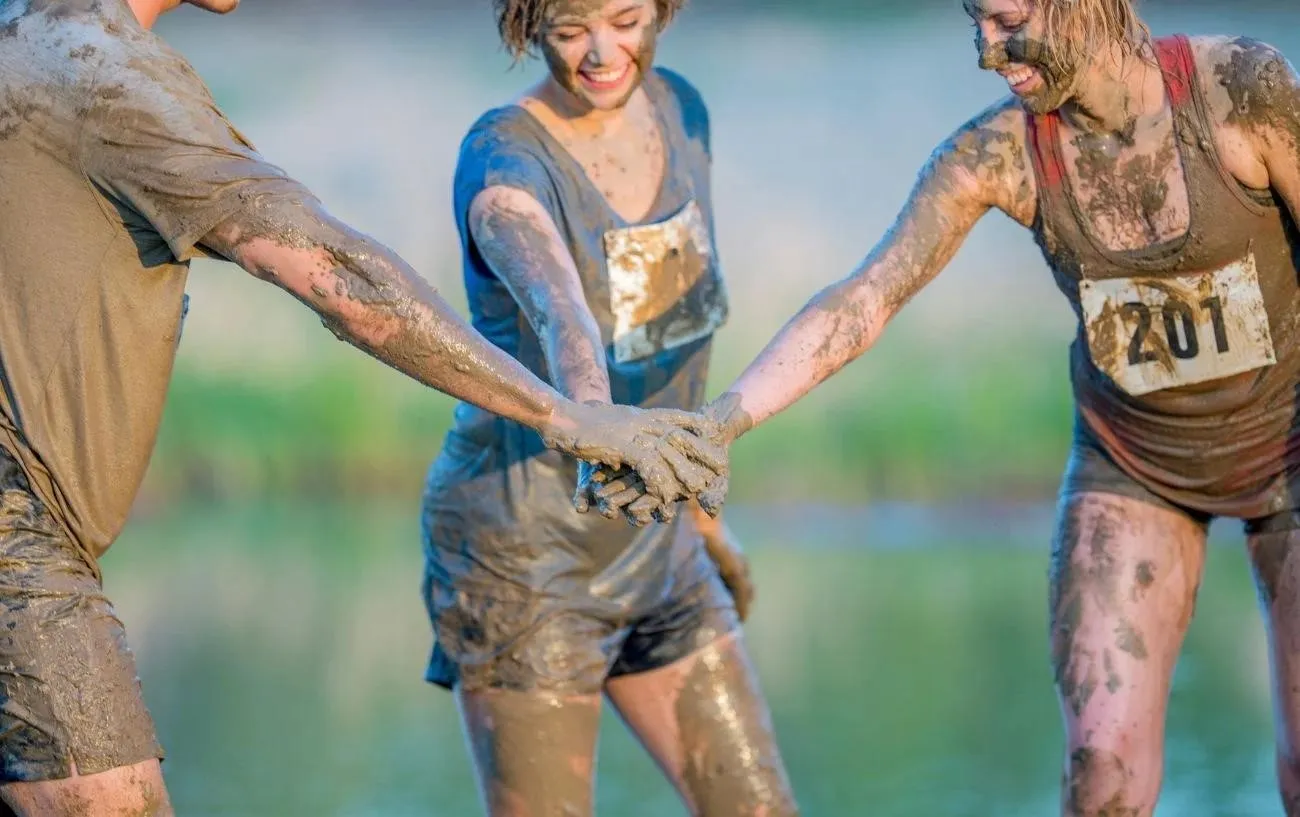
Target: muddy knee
[1099, 783]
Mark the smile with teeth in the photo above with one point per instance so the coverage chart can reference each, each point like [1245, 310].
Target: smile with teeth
[605, 76]
[1018, 76]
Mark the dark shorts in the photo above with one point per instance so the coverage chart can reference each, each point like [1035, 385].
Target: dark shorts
[69, 693]
[1092, 470]
[507, 637]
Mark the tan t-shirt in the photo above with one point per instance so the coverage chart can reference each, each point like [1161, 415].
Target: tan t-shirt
[114, 163]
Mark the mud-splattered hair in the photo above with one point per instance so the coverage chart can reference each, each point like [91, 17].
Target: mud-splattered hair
[1079, 29]
[520, 21]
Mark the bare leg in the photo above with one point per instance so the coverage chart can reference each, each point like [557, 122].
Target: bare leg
[1277, 574]
[704, 720]
[1124, 580]
[131, 791]
[533, 752]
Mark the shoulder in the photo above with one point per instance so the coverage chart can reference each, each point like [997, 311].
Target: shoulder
[995, 139]
[986, 162]
[688, 101]
[1247, 82]
[686, 94]
[507, 134]
[504, 149]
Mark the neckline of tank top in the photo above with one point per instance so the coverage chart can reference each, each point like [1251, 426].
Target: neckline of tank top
[658, 211]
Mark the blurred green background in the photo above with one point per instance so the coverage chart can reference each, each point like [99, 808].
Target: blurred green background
[898, 519]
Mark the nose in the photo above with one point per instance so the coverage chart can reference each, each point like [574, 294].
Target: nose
[604, 47]
[991, 46]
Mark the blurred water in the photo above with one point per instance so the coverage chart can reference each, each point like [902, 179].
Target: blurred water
[282, 651]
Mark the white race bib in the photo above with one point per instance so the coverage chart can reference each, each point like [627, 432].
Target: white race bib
[1149, 334]
[664, 289]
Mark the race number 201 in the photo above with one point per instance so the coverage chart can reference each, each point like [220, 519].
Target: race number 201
[1149, 334]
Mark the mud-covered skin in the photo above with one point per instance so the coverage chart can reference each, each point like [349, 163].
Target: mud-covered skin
[704, 721]
[984, 164]
[516, 778]
[1124, 577]
[1127, 198]
[1276, 567]
[369, 297]
[1025, 47]
[590, 34]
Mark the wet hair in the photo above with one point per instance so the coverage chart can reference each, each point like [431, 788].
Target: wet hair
[1079, 29]
[520, 22]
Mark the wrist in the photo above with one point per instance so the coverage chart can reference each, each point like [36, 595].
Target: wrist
[730, 416]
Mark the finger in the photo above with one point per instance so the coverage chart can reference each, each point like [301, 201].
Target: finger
[657, 474]
[602, 474]
[618, 486]
[710, 455]
[693, 478]
[610, 507]
[712, 498]
[641, 512]
[665, 513]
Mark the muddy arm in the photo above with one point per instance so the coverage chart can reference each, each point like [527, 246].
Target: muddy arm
[366, 295]
[982, 165]
[519, 240]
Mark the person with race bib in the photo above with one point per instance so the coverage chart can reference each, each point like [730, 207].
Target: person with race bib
[585, 211]
[1161, 178]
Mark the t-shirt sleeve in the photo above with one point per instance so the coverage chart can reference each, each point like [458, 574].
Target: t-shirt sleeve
[494, 154]
[154, 141]
[695, 114]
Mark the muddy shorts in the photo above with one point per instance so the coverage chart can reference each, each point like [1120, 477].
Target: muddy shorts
[1092, 470]
[68, 687]
[507, 637]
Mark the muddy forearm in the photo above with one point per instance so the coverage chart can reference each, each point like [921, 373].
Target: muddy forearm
[838, 325]
[521, 244]
[575, 355]
[367, 296]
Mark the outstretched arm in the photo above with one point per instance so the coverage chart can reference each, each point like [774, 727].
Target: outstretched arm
[984, 164]
[981, 166]
[367, 296]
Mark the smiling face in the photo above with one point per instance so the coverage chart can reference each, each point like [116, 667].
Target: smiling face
[1011, 38]
[599, 51]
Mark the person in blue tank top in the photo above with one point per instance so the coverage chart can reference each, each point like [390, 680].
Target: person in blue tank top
[585, 214]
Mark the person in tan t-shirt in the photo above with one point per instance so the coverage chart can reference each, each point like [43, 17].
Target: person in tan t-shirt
[117, 168]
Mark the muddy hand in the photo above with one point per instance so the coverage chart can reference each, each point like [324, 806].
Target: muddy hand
[668, 450]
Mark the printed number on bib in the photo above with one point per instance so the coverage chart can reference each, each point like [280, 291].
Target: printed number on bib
[1150, 334]
[664, 287]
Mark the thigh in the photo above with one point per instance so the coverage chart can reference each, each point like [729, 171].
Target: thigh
[1124, 578]
[705, 721]
[1275, 559]
[533, 752]
[131, 791]
[69, 693]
